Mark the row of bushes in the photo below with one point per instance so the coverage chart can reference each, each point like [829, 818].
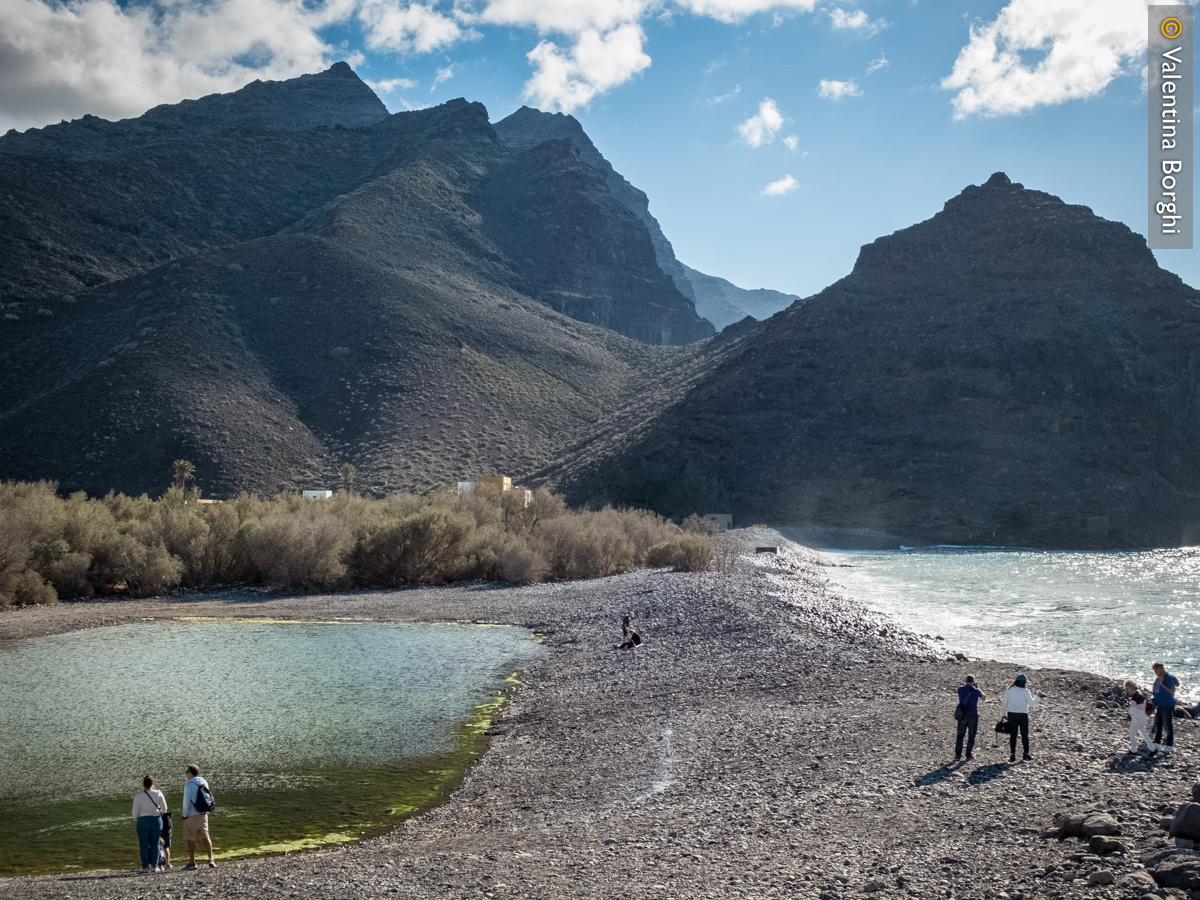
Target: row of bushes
[51, 547]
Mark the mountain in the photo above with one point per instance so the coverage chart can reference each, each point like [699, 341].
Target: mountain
[334, 98]
[282, 279]
[1015, 370]
[723, 302]
[719, 301]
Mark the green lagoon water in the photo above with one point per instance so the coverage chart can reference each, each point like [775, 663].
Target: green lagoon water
[309, 734]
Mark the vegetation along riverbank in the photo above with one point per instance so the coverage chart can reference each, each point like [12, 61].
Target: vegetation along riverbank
[772, 739]
[79, 547]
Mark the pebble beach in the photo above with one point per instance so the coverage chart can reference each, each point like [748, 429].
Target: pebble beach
[772, 739]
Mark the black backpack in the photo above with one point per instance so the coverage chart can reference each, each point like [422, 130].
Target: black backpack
[204, 802]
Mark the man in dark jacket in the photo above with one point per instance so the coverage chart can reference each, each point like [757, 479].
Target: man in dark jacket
[969, 696]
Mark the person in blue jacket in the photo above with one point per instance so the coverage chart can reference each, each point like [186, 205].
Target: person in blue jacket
[969, 696]
[1164, 708]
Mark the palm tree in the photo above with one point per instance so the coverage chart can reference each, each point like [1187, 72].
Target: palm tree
[346, 473]
[184, 472]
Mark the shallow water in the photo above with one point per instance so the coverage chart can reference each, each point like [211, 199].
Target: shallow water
[308, 733]
[1112, 613]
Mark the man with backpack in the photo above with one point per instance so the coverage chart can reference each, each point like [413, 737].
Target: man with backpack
[1164, 707]
[197, 804]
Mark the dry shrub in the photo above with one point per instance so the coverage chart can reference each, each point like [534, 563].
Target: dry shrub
[80, 547]
[423, 546]
[686, 552]
[726, 551]
[299, 550]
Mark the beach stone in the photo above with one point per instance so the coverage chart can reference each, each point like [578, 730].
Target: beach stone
[1101, 876]
[872, 887]
[1069, 826]
[1186, 823]
[1178, 870]
[1099, 823]
[1140, 879]
[1102, 846]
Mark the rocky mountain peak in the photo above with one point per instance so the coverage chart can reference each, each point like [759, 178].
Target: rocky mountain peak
[1001, 229]
[335, 97]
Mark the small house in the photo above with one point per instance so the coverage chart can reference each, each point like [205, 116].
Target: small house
[719, 521]
[316, 495]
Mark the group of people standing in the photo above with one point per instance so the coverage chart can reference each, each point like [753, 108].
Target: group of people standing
[154, 822]
[1019, 700]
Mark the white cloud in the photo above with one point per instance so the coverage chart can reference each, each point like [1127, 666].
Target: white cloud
[597, 63]
[778, 188]
[1082, 45]
[388, 85]
[856, 21]
[876, 64]
[721, 98]
[716, 64]
[761, 127]
[113, 58]
[791, 142]
[403, 29]
[443, 74]
[736, 10]
[62, 60]
[836, 90]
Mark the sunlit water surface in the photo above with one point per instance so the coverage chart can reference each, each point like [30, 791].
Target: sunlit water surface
[1110, 613]
[309, 733]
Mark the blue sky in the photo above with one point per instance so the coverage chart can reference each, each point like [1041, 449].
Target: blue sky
[701, 103]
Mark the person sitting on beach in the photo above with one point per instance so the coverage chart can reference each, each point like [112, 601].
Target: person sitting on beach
[630, 639]
[1138, 719]
[1164, 707]
[1018, 700]
[969, 696]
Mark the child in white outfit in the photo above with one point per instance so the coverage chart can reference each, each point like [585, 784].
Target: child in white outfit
[1138, 720]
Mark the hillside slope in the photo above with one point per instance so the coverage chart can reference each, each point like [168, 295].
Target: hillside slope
[1015, 370]
[270, 303]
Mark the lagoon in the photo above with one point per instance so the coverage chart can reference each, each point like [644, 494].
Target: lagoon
[310, 733]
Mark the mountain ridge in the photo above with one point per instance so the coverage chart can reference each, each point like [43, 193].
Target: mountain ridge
[1014, 370]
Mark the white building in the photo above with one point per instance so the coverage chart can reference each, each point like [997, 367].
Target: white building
[316, 495]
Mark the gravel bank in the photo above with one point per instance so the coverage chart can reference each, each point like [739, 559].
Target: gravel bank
[771, 740]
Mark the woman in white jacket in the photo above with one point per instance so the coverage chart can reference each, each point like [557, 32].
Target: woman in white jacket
[1018, 700]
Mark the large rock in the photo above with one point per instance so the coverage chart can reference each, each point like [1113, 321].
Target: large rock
[1177, 869]
[1186, 823]
[1102, 846]
[1099, 824]
[1069, 826]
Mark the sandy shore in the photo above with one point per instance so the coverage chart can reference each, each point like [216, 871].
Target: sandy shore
[773, 739]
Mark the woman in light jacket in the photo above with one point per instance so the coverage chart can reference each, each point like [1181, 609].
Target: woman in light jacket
[1018, 700]
[148, 807]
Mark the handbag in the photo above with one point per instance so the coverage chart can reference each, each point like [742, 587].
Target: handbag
[959, 713]
[1004, 727]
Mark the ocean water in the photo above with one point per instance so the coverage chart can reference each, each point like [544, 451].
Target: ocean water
[1112, 613]
[309, 733]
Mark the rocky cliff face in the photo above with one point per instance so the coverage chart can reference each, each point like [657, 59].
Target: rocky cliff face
[410, 295]
[529, 127]
[1015, 370]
